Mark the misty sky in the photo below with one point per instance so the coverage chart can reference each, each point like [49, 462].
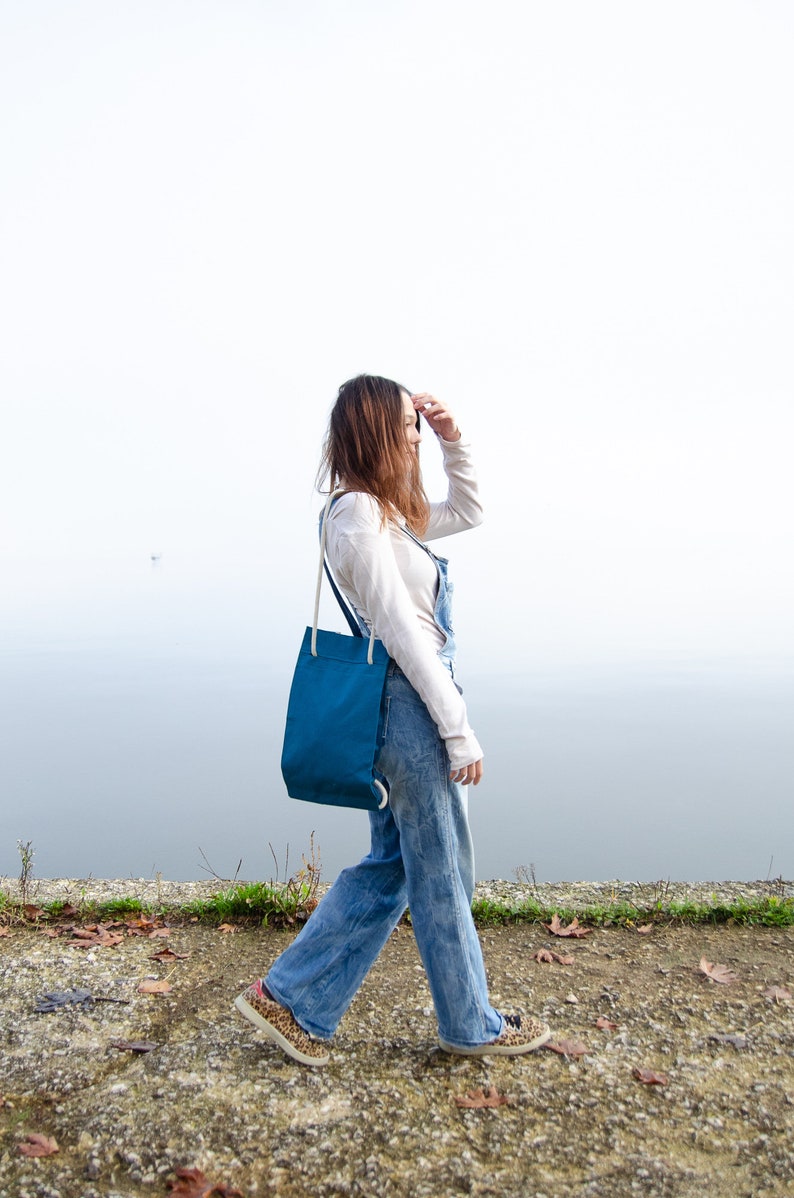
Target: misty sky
[571, 221]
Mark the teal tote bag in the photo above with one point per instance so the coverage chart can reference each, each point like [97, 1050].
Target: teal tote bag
[334, 712]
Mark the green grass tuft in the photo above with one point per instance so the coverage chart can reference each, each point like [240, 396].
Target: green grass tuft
[262, 902]
[126, 905]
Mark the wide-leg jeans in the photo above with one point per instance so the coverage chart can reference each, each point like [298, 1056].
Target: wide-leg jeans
[422, 857]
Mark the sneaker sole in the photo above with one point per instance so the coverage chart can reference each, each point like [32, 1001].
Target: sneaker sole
[499, 1050]
[259, 1021]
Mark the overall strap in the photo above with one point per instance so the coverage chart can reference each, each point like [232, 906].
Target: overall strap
[435, 559]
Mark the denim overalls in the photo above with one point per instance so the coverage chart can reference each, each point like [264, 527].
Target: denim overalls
[421, 856]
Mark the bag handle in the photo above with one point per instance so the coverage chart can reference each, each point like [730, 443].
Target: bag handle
[334, 495]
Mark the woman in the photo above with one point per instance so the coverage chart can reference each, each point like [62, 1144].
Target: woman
[421, 854]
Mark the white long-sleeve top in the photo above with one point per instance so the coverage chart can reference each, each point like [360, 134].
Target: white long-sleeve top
[393, 583]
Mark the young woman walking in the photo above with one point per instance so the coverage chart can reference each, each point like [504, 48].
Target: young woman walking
[421, 851]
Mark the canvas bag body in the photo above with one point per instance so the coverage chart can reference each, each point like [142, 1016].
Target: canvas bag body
[333, 713]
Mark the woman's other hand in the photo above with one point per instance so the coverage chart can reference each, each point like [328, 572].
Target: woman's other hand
[437, 415]
[468, 774]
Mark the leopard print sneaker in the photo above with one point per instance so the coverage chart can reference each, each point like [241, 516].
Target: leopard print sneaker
[517, 1036]
[280, 1025]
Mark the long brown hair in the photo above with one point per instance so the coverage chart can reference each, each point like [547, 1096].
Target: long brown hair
[365, 449]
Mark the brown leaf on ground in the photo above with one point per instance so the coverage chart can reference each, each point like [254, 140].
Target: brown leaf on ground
[545, 956]
[778, 993]
[133, 1045]
[572, 929]
[149, 986]
[168, 954]
[649, 1078]
[567, 1048]
[645, 929]
[227, 927]
[32, 912]
[606, 1025]
[477, 1099]
[38, 1145]
[717, 973]
[5, 931]
[95, 935]
[144, 925]
[163, 931]
[191, 1183]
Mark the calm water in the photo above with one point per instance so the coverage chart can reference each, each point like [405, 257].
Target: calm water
[118, 764]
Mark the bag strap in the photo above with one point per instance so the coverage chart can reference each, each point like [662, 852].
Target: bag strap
[323, 564]
[346, 612]
[352, 621]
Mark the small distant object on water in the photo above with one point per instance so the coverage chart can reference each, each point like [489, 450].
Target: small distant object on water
[155, 558]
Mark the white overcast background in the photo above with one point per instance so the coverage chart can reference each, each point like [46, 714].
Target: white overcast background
[572, 221]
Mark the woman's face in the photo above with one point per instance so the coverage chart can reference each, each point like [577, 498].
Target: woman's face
[412, 434]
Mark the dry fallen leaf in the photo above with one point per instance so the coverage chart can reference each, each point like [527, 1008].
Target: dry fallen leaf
[95, 935]
[777, 993]
[649, 1078]
[572, 929]
[5, 931]
[191, 1183]
[545, 956]
[490, 1096]
[38, 1145]
[717, 973]
[146, 925]
[168, 954]
[53, 1000]
[645, 929]
[567, 1048]
[606, 1025]
[227, 927]
[32, 912]
[149, 986]
[133, 1045]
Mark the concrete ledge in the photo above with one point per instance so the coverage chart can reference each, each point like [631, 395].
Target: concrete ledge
[574, 895]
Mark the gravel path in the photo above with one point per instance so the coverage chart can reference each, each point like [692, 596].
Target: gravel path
[382, 1118]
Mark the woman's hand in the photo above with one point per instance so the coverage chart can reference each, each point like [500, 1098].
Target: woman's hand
[437, 415]
[468, 774]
